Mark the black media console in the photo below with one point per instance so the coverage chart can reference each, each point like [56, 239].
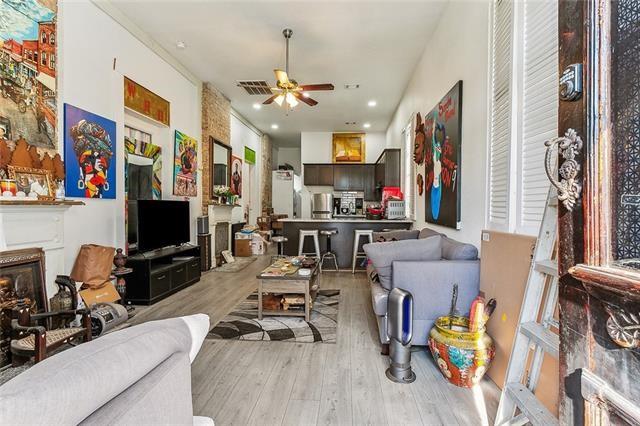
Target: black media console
[160, 273]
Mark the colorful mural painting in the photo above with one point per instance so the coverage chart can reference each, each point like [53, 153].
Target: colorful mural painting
[442, 147]
[185, 166]
[89, 154]
[236, 176]
[145, 102]
[28, 62]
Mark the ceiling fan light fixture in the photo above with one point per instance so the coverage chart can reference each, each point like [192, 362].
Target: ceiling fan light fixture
[291, 100]
[279, 99]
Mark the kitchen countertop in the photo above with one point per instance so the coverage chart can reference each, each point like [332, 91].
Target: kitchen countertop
[349, 220]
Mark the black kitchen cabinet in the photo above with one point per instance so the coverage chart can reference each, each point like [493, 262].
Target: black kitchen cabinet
[341, 179]
[370, 193]
[318, 174]
[348, 177]
[388, 168]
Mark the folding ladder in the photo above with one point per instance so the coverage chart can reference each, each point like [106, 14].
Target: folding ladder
[534, 330]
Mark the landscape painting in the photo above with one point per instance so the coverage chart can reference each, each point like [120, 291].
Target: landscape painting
[443, 148]
[185, 167]
[28, 63]
[89, 154]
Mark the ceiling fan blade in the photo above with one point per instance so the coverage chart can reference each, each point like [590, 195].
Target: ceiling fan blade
[281, 76]
[310, 87]
[308, 101]
[271, 99]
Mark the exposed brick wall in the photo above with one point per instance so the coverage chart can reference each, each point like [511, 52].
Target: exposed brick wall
[266, 166]
[216, 123]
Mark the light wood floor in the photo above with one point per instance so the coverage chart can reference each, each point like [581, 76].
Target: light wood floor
[282, 383]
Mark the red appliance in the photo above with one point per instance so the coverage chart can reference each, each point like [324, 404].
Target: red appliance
[391, 193]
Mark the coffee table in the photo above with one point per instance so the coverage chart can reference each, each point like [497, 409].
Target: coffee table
[293, 283]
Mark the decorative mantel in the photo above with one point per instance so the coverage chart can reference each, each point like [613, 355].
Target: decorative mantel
[27, 224]
[219, 217]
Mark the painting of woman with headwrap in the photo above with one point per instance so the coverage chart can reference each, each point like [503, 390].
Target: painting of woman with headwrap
[185, 166]
[89, 152]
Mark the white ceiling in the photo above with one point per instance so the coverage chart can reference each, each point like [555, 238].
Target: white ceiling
[376, 44]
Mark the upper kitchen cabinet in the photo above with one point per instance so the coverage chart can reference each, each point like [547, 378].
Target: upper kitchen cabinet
[348, 177]
[370, 193]
[387, 168]
[318, 174]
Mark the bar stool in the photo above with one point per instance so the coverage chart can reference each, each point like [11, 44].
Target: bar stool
[329, 254]
[280, 240]
[309, 233]
[356, 242]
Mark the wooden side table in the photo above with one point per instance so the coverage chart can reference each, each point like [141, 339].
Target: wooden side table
[288, 284]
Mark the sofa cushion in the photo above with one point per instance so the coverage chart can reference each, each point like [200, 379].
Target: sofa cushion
[396, 235]
[455, 250]
[384, 254]
[427, 232]
[379, 297]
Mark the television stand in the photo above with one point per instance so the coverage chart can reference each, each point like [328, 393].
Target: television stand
[160, 273]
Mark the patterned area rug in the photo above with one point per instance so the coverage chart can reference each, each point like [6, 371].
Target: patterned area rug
[238, 265]
[243, 324]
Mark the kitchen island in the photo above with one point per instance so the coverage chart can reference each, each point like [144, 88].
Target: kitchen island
[342, 242]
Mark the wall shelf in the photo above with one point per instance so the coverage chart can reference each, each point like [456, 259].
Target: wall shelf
[18, 202]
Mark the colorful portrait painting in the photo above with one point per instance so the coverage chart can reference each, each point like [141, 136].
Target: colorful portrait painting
[442, 147]
[236, 176]
[28, 63]
[185, 170]
[89, 154]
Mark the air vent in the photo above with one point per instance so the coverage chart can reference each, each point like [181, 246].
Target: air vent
[255, 87]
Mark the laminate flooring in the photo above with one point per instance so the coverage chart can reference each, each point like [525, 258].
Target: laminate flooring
[285, 383]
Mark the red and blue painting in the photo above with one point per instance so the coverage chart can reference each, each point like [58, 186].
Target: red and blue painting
[89, 154]
[442, 149]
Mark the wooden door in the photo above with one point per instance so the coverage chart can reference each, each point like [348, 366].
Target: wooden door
[599, 212]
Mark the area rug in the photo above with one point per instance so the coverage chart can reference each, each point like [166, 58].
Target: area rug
[243, 323]
[238, 265]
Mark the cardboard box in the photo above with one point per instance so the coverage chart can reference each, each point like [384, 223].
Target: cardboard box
[107, 293]
[243, 247]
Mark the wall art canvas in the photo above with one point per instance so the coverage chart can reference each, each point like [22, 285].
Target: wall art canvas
[143, 101]
[443, 148]
[89, 154]
[348, 148]
[236, 176]
[185, 169]
[28, 63]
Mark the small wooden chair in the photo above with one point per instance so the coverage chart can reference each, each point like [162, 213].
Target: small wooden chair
[31, 339]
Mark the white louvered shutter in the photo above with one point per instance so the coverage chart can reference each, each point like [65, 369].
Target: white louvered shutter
[500, 118]
[539, 109]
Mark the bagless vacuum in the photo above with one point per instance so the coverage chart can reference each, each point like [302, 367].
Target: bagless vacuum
[400, 332]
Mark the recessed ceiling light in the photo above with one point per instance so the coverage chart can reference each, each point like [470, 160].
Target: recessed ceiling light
[181, 45]
[257, 106]
[306, 94]
[366, 125]
[372, 103]
[274, 126]
[351, 86]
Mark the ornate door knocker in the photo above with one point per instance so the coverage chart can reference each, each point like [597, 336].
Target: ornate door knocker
[569, 188]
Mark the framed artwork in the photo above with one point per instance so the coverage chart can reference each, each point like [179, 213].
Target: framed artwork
[348, 148]
[185, 168]
[236, 176]
[443, 148]
[21, 277]
[143, 101]
[89, 154]
[138, 148]
[30, 180]
[28, 65]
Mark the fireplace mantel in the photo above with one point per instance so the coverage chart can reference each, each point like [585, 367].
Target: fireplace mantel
[219, 215]
[36, 224]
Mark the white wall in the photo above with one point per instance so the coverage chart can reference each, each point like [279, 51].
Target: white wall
[241, 136]
[90, 41]
[457, 50]
[291, 156]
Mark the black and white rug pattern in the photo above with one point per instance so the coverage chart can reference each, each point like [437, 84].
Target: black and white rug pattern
[243, 324]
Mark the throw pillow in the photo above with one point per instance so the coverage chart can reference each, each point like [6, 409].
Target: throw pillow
[384, 254]
[428, 232]
[455, 250]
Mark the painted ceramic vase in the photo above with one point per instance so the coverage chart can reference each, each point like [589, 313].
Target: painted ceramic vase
[462, 356]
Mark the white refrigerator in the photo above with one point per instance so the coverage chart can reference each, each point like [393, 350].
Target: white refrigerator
[285, 193]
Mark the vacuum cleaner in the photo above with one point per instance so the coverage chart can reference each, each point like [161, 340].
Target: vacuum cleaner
[400, 332]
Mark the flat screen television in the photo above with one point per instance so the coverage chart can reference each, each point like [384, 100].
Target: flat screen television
[159, 223]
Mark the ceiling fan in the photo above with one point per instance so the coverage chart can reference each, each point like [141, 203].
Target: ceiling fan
[288, 91]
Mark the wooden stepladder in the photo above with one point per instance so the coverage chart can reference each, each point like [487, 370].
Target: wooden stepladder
[534, 330]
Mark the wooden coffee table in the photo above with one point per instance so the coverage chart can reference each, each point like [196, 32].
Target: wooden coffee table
[288, 284]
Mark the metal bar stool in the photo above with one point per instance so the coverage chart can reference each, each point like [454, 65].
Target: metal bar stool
[309, 233]
[329, 254]
[280, 240]
[356, 242]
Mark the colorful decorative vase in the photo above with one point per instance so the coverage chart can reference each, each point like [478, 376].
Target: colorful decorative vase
[462, 356]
